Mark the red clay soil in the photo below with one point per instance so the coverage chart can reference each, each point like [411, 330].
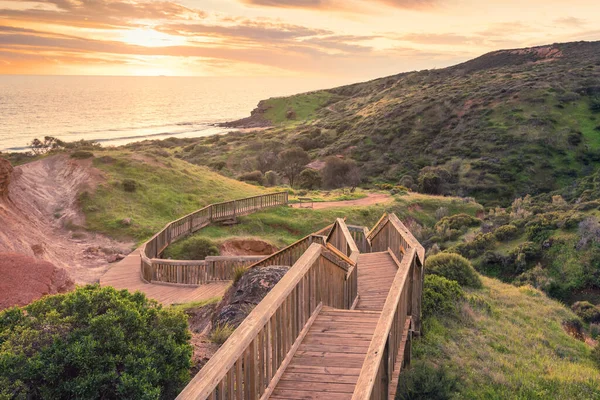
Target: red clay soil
[25, 279]
[247, 247]
[40, 211]
[371, 199]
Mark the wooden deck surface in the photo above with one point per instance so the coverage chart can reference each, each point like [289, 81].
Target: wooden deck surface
[328, 362]
[126, 275]
[376, 273]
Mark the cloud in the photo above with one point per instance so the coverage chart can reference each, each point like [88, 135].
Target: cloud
[100, 13]
[341, 5]
[570, 22]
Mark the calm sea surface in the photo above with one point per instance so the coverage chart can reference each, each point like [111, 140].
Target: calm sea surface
[118, 110]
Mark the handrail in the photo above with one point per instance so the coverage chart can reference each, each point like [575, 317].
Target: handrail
[341, 238]
[195, 272]
[252, 360]
[378, 367]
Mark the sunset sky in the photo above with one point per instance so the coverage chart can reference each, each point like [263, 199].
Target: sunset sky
[357, 39]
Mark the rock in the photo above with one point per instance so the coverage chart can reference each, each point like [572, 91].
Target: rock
[25, 279]
[114, 258]
[6, 171]
[241, 298]
[290, 114]
[126, 222]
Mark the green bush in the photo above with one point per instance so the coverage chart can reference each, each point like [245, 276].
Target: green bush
[440, 295]
[424, 381]
[93, 343]
[82, 154]
[129, 185]
[472, 249]
[191, 248]
[271, 178]
[454, 267]
[254, 176]
[506, 232]
[586, 311]
[310, 179]
[457, 221]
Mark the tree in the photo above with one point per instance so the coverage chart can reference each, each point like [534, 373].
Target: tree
[310, 179]
[340, 173]
[41, 147]
[93, 343]
[291, 162]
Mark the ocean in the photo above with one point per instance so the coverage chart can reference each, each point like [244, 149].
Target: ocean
[119, 110]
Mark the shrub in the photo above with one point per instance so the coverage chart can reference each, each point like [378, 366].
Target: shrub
[310, 179]
[91, 343]
[254, 176]
[129, 185]
[457, 221]
[82, 154]
[595, 331]
[440, 295]
[238, 273]
[221, 333]
[586, 311]
[271, 178]
[191, 248]
[453, 267]
[339, 173]
[506, 232]
[480, 243]
[423, 381]
[595, 104]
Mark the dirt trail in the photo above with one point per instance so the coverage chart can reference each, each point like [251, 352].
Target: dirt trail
[41, 204]
[371, 199]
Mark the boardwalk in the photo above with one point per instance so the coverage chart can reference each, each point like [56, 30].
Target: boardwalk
[126, 275]
[337, 326]
[328, 362]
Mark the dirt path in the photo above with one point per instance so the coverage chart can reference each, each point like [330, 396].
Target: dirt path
[371, 199]
[42, 204]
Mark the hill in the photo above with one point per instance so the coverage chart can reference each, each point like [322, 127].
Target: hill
[504, 343]
[506, 124]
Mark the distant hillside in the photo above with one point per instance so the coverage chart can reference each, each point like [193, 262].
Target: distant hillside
[506, 124]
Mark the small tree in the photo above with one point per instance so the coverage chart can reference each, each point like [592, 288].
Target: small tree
[310, 179]
[272, 178]
[291, 162]
[340, 173]
[39, 147]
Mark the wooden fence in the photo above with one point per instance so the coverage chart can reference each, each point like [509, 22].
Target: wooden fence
[183, 272]
[390, 347]
[253, 359]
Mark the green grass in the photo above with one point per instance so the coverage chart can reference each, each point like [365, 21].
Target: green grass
[284, 225]
[509, 344]
[168, 188]
[196, 304]
[303, 105]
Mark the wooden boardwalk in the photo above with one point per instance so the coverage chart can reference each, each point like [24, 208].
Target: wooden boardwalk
[328, 362]
[126, 275]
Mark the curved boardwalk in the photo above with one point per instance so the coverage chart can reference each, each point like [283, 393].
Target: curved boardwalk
[126, 275]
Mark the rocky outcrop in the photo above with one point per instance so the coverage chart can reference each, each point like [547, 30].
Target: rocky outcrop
[246, 247]
[256, 119]
[6, 171]
[24, 279]
[242, 297]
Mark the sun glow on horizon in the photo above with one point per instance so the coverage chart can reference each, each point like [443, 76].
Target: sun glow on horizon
[148, 37]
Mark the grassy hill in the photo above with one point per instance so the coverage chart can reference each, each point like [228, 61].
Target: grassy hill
[507, 343]
[506, 124]
[143, 191]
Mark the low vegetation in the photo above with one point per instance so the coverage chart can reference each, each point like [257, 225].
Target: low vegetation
[453, 267]
[500, 342]
[191, 248]
[93, 343]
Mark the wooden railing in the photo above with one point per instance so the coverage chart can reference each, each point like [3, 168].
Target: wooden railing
[400, 317]
[359, 234]
[253, 359]
[155, 269]
[341, 239]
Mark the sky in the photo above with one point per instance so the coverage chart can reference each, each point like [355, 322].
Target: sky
[353, 39]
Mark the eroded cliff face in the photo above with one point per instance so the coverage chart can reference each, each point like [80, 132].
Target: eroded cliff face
[6, 171]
